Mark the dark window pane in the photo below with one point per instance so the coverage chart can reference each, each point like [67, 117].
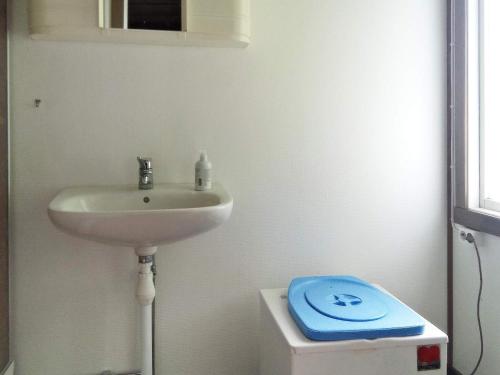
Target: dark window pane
[155, 14]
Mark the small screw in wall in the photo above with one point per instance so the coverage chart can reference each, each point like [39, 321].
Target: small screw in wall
[38, 102]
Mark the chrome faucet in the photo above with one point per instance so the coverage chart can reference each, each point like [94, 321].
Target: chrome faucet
[145, 173]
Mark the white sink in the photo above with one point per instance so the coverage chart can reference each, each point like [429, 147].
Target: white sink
[142, 219]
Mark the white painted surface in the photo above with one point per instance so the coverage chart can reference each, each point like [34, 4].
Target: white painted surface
[284, 350]
[465, 285]
[336, 112]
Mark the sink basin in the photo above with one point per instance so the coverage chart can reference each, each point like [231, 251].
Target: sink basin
[142, 219]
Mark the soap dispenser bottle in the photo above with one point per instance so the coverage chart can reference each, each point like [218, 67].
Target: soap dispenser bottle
[203, 173]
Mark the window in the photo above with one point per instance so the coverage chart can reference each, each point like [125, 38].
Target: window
[164, 15]
[474, 90]
[155, 14]
[489, 83]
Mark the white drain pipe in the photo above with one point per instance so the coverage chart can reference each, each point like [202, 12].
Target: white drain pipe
[145, 294]
[147, 340]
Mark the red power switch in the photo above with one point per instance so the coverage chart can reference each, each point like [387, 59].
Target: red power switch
[428, 357]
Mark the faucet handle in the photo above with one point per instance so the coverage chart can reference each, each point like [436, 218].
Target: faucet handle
[145, 162]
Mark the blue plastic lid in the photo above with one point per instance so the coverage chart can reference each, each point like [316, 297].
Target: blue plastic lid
[329, 308]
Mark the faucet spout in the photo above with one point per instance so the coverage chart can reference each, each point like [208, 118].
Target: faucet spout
[145, 173]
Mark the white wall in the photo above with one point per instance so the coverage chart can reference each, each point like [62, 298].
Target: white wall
[329, 130]
[465, 285]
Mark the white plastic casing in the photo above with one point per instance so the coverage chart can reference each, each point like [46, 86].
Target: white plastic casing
[284, 350]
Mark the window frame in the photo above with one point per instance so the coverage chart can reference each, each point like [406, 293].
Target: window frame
[462, 130]
[484, 202]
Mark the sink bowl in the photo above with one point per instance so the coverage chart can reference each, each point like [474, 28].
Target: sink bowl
[142, 219]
